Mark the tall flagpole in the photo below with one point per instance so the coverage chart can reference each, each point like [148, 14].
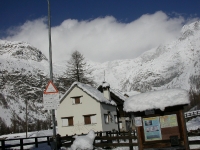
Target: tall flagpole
[51, 72]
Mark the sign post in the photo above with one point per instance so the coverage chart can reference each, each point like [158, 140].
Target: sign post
[51, 70]
[51, 102]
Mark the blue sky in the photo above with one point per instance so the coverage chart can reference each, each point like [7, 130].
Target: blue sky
[24, 20]
[16, 12]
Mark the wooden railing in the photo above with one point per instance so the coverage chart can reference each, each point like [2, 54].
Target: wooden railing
[195, 133]
[114, 139]
[104, 139]
[21, 142]
[192, 113]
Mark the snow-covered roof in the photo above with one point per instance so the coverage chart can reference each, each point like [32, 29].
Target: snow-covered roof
[131, 93]
[91, 91]
[105, 84]
[118, 94]
[156, 100]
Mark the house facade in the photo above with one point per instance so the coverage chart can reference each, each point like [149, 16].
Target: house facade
[124, 119]
[84, 108]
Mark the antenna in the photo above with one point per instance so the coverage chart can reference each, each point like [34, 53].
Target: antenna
[104, 76]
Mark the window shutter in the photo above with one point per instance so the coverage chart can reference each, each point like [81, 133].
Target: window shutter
[106, 118]
[115, 117]
[93, 119]
[77, 100]
[73, 100]
[87, 119]
[81, 98]
[70, 121]
[120, 125]
[65, 122]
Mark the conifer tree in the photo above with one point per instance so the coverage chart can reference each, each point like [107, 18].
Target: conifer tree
[78, 70]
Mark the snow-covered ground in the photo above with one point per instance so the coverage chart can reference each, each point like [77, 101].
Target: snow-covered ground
[194, 124]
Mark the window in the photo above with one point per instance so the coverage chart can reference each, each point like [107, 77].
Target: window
[87, 119]
[90, 119]
[77, 100]
[67, 121]
[106, 118]
[115, 117]
[120, 125]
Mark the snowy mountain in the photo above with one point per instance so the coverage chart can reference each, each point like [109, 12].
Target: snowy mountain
[167, 66]
[24, 73]
[22, 76]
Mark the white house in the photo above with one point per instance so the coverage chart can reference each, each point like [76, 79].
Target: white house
[83, 108]
[124, 120]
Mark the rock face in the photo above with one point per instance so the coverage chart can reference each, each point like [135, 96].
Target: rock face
[24, 74]
[21, 50]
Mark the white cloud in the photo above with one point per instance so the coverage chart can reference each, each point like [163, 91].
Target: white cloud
[101, 39]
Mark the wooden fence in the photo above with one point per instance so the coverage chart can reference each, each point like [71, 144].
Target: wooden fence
[195, 133]
[21, 142]
[115, 139]
[104, 139]
[192, 114]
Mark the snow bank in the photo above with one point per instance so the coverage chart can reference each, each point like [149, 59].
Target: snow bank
[84, 142]
[156, 100]
[193, 124]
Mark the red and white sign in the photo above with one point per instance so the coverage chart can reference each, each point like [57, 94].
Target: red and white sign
[51, 88]
[51, 97]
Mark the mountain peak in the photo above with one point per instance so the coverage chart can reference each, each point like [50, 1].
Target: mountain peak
[21, 50]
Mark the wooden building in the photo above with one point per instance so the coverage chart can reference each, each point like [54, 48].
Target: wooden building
[159, 119]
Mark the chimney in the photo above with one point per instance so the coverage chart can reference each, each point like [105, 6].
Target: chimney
[106, 90]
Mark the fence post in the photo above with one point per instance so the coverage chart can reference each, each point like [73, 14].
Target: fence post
[3, 144]
[21, 144]
[48, 141]
[72, 139]
[124, 135]
[117, 136]
[59, 142]
[130, 141]
[36, 142]
[94, 141]
[100, 135]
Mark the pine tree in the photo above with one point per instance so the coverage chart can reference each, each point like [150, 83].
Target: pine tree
[78, 70]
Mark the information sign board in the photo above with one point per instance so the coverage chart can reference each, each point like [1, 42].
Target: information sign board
[138, 121]
[168, 121]
[152, 129]
[51, 101]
